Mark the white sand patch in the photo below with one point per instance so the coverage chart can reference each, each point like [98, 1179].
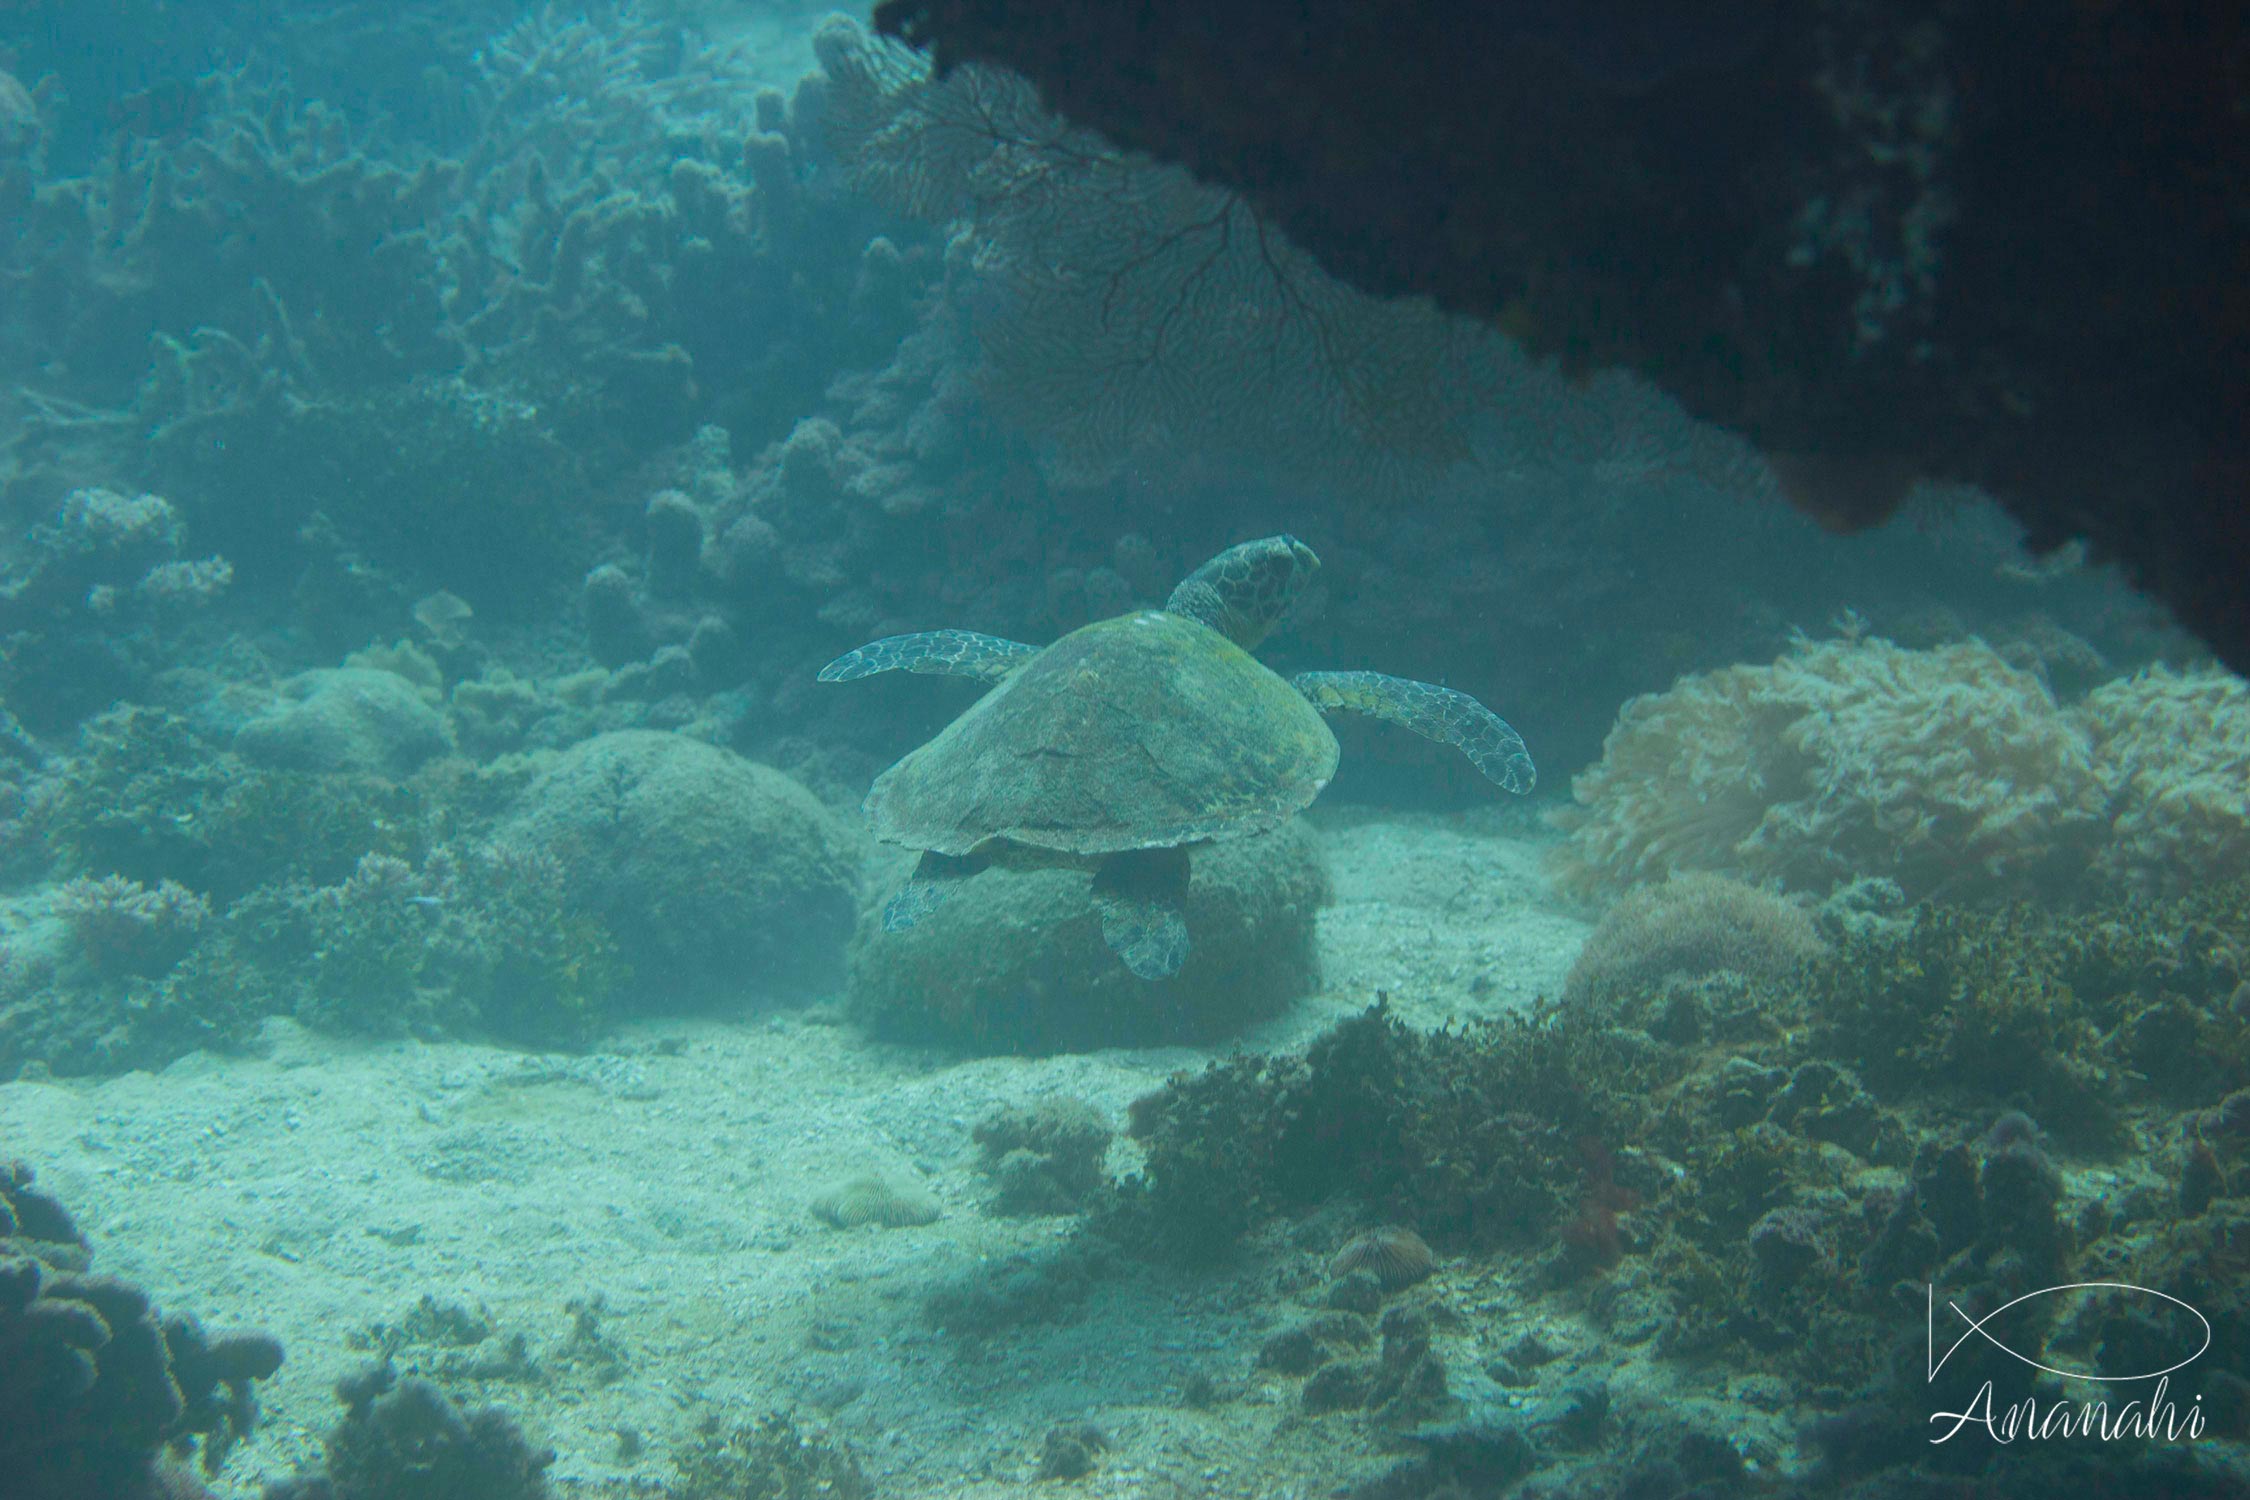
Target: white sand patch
[325, 1187]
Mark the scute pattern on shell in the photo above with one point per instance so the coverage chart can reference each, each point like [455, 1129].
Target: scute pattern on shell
[1141, 732]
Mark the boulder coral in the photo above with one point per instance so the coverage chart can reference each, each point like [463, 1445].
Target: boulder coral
[1014, 961]
[717, 876]
[1690, 927]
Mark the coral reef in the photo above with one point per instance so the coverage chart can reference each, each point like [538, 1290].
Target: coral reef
[352, 719]
[124, 928]
[1044, 1158]
[1969, 1104]
[100, 1392]
[94, 602]
[775, 1458]
[1688, 928]
[477, 935]
[1014, 960]
[877, 1201]
[404, 1439]
[1945, 770]
[717, 877]
[2172, 749]
[148, 797]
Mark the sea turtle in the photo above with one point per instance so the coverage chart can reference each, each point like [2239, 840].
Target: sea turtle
[1131, 739]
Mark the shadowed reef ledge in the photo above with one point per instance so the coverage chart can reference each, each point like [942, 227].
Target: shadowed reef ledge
[1888, 240]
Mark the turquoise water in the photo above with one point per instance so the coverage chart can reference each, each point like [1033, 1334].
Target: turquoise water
[1354, 912]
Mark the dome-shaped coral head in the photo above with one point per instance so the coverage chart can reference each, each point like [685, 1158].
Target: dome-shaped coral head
[2014, 1131]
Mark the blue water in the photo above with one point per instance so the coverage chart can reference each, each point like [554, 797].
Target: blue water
[1385, 921]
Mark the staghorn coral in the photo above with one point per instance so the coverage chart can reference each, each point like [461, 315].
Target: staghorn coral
[1844, 759]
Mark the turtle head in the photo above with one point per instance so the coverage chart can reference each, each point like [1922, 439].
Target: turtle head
[1244, 591]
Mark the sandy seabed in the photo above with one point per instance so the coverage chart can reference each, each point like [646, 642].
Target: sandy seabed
[321, 1190]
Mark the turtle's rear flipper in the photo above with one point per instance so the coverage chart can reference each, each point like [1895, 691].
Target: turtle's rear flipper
[926, 889]
[1438, 713]
[1142, 900]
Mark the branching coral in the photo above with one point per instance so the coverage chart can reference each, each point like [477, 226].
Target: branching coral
[125, 928]
[407, 1440]
[97, 596]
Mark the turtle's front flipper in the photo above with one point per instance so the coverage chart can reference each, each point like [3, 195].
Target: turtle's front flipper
[1438, 713]
[926, 889]
[948, 653]
[1142, 899]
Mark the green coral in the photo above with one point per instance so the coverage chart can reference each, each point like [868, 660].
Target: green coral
[490, 936]
[148, 798]
[1479, 1137]
[2060, 1016]
[772, 1459]
[136, 798]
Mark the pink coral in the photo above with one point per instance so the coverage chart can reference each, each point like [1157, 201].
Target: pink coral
[124, 928]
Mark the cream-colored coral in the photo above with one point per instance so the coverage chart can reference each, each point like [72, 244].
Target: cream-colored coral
[1690, 927]
[1938, 769]
[2173, 753]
